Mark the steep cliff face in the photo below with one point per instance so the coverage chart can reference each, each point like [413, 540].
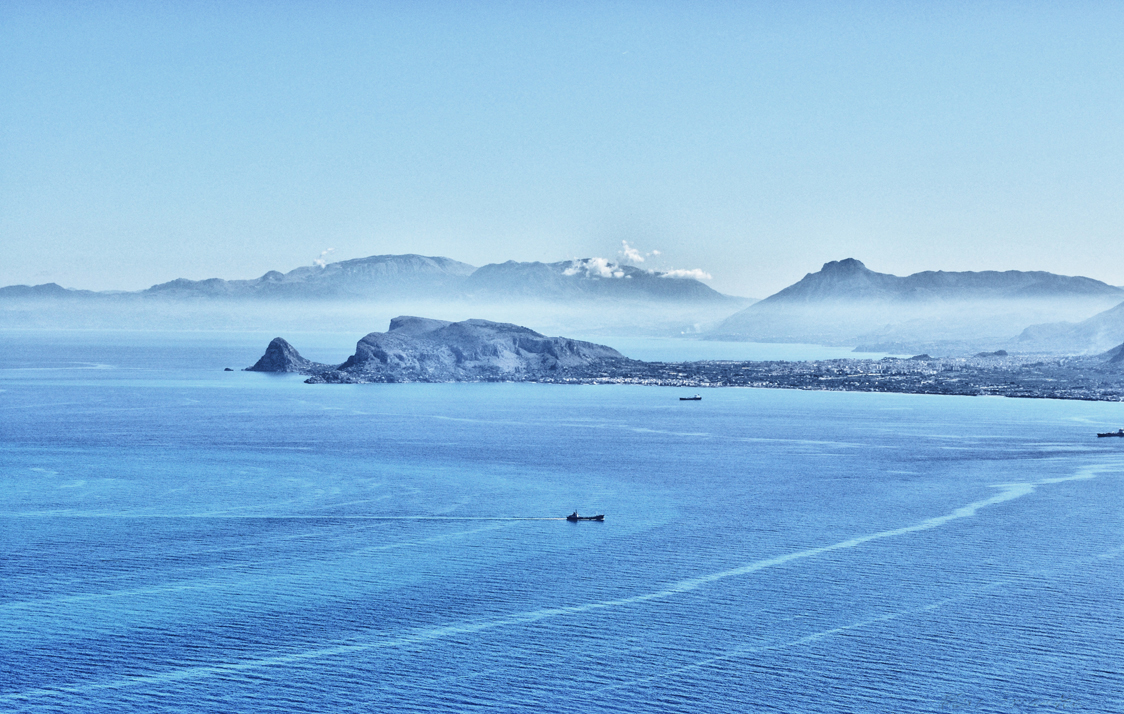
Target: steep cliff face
[280, 356]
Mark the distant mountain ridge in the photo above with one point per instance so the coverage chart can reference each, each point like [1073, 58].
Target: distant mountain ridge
[46, 290]
[433, 277]
[375, 276]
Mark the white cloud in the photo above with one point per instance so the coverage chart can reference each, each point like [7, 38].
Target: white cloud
[323, 254]
[594, 268]
[630, 254]
[695, 273]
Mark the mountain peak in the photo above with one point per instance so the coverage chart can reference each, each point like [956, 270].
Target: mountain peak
[847, 265]
[414, 326]
[846, 279]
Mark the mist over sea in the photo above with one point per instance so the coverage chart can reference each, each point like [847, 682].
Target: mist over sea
[179, 538]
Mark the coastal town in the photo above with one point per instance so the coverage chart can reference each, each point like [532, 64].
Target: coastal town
[1000, 374]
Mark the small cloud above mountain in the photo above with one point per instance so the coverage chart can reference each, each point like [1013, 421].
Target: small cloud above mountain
[630, 254]
[594, 268]
[695, 273]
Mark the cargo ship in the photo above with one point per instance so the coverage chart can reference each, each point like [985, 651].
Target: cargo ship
[574, 517]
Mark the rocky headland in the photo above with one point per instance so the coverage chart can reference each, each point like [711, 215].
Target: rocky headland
[417, 349]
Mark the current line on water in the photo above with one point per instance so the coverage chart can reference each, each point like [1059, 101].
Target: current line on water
[288, 518]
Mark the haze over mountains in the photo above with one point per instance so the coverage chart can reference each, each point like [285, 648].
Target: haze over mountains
[398, 276]
[842, 304]
[591, 295]
[1101, 332]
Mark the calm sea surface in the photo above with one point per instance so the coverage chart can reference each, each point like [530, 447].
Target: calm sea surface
[176, 538]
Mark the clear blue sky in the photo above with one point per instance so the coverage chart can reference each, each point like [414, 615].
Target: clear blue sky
[145, 141]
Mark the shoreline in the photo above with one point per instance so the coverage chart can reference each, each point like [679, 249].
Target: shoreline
[1025, 377]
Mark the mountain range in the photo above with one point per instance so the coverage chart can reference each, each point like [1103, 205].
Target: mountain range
[590, 297]
[377, 276]
[434, 278]
[843, 304]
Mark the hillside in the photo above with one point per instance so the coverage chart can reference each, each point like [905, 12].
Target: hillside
[1099, 333]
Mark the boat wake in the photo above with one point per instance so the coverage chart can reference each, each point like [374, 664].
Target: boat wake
[1007, 492]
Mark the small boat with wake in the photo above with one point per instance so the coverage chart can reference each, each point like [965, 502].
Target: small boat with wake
[1118, 432]
[574, 517]
[695, 398]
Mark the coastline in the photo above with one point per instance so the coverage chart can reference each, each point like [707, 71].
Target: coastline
[1019, 376]
[1027, 377]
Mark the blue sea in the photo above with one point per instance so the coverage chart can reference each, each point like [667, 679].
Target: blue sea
[176, 538]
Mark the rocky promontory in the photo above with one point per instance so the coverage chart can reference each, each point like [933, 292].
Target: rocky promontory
[280, 356]
[417, 349]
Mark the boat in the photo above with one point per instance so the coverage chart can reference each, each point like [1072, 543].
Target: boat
[695, 398]
[574, 517]
[1118, 432]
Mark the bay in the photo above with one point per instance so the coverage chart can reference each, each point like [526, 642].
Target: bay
[179, 538]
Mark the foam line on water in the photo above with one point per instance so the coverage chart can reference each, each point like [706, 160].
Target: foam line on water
[806, 639]
[226, 515]
[814, 636]
[1008, 492]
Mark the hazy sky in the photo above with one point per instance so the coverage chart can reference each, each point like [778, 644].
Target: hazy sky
[145, 141]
